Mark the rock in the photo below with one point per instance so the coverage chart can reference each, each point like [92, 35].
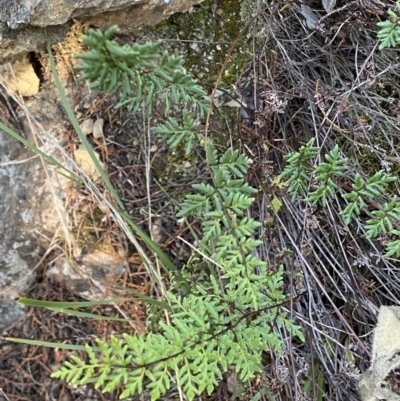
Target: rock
[32, 197]
[20, 78]
[26, 24]
[98, 128]
[10, 311]
[32, 210]
[379, 382]
[14, 44]
[91, 276]
[28, 212]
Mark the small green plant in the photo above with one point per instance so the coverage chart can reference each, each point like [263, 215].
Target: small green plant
[383, 219]
[389, 34]
[299, 169]
[304, 173]
[140, 74]
[214, 326]
[226, 319]
[325, 174]
[373, 187]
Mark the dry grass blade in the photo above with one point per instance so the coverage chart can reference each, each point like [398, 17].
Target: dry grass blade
[332, 84]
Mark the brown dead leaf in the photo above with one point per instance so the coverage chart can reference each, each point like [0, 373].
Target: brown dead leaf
[20, 78]
[85, 162]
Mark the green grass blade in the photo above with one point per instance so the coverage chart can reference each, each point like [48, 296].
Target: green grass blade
[81, 135]
[120, 208]
[85, 304]
[42, 343]
[35, 149]
[91, 315]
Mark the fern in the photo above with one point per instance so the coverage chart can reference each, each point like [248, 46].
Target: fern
[393, 248]
[375, 186]
[138, 73]
[300, 173]
[325, 172]
[384, 218]
[226, 318]
[231, 162]
[389, 34]
[199, 345]
[203, 339]
[141, 76]
[324, 177]
[175, 134]
[299, 170]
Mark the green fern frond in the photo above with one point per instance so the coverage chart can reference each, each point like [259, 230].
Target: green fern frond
[246, 226]
[375, 186]
[393, 248]
[176, 134]
[383, 221]
[237, 202]
[298, 170]
[195, 204]
[325, 173]
[231, 162]
[300, 176]
[138, 73]
[220, 322]
[212, 154]
[389, 34]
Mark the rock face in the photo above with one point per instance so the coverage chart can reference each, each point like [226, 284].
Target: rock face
[378, 382]
[25, 24]
[33, 213]
[30, 194]
[27, 211]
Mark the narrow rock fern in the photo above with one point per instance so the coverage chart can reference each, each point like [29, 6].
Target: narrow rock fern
[389, 34]
[302, 173]
[227, 318]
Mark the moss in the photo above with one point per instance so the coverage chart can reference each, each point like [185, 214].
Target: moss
[85, 233]
[175, 164]
[207, 34]
[203, 39]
